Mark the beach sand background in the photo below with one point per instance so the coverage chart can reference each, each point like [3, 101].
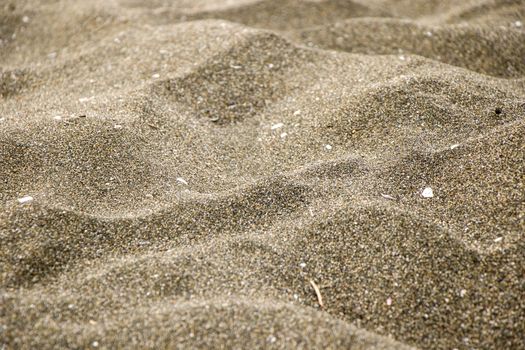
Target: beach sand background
[179, 174]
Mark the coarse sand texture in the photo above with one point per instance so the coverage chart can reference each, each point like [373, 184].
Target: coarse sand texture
[281, 174]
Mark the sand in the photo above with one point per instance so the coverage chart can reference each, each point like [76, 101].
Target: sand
[181, 174]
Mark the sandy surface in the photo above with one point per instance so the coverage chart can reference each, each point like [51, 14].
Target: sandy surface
[179, 174]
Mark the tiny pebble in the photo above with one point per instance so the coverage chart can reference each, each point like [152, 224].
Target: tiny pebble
[95, 344]
[283, 135]
[429, 34]
[499, 239]
[518, 24]
[462, 293]
[57, 117]
[296, 113]
[277, 126]
[389, 301]
[427, 193]
[25, 19]
[402, 58]
[272, 339]
[328, 147]
[303, 265]
[155, 76]
[25, 199]
[454, 146]
[117, 126]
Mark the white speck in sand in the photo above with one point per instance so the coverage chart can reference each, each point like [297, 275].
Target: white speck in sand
[270, 65]
[462, 293]
[271, 339]
[182, 181]
[25, 199]
[57, 117]
[95, 344]
[295, 296]
[233, 66]
[389, 301]
[402, 58]
[428, 33]
[303, 265]
[155, 76]
[71, 306]
[283, 135]
[454, 146]
[499, 239]
[427, 193]
[328, 147]
[518, 24]
[163, 52]
[387, 196]
[25, 19]
[117, 40]
[84, 99]
[277, 126]
[52, 55]
[117, 126]
[296, 113]
[2, 119]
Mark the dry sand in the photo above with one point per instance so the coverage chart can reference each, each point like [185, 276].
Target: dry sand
[180, 174]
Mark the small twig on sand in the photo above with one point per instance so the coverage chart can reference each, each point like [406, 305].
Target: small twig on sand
[318, 293]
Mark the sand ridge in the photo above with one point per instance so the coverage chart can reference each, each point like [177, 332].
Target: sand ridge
[181, 173]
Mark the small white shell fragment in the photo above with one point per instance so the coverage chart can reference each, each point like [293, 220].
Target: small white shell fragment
[155, 76]
[296, 113]
[454, 146]
[25, 199]
[518, 24]
[387, 196]
[389, 301]
[462, 293]
[117, 126]
[277, 126]
[25, 19]
[427, 192]
[270, 65]
[84, 99]
[303, 265]
[235, 66]
[182, 181]
[499, 239]
[402, 58]
[283, 135]
[57, 117]
[95, 344]
[328, 147]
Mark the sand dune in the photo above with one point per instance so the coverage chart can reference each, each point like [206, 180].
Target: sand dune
[181, 174]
